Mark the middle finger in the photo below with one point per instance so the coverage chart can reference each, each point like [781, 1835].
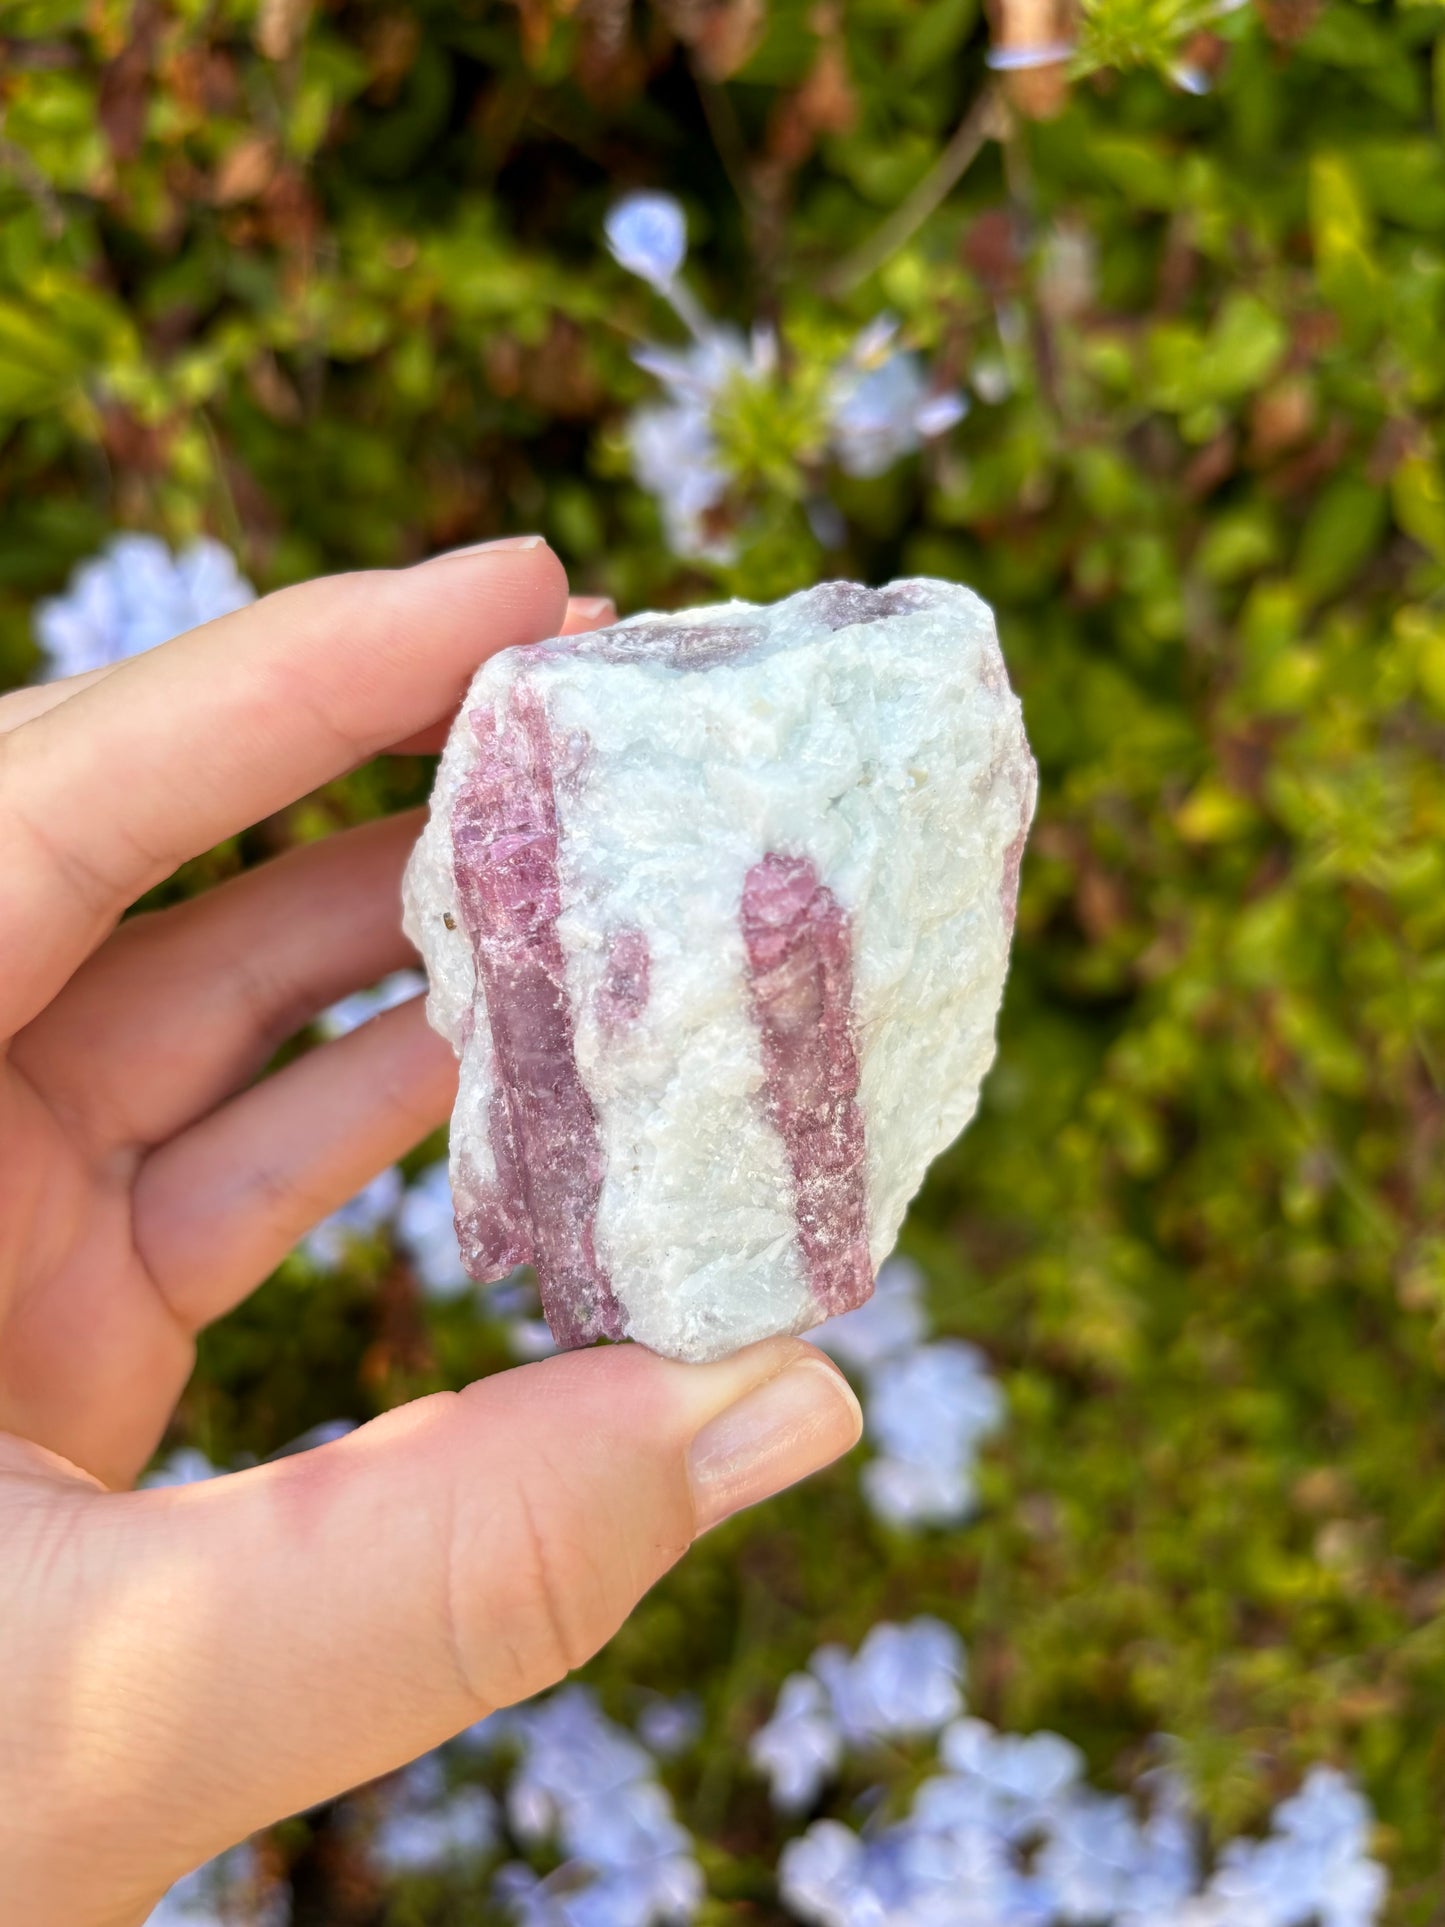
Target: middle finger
[182, 1007]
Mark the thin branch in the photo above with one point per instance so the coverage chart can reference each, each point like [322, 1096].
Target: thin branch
[727, 136]
[986, 120]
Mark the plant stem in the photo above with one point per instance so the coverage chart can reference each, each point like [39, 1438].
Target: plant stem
[986, 120]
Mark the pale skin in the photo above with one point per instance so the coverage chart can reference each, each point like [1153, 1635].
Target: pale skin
[183, 1666]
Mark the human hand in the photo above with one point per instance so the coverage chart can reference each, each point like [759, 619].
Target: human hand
[183, 1666]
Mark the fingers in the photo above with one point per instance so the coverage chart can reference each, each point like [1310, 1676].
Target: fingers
[24, 705]
[583, 612]
[221, 1205]
[105, 794]
[180, 1008]
[248, 1647]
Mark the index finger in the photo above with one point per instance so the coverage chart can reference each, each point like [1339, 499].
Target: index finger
[104, 795]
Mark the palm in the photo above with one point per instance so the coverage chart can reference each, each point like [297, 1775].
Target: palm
[91, 1358]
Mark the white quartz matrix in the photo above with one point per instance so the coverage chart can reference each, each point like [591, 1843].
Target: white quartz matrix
[716, 909]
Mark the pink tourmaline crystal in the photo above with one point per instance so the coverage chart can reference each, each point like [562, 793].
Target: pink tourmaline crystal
[716, 909]
[541, 1123]
[800, 970]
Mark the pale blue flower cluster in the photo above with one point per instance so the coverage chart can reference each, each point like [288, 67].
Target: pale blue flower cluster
[1004, 1833]
[929, 1405]
[1007, 1834]
[584, 1788]
[429, 1826]
[882, 407]
[673, 444]
[1315, 1865]
[133, 595]
[879, 405]
[904, 1682]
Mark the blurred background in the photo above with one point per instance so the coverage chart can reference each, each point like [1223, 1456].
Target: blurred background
[1128, 314]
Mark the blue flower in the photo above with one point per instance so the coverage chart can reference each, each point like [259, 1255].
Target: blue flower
[903, 1682]
[428, 1827]
[587, 1785]
[359, 1218]
[878, 406]
[187, 1465]
[673, 444]
[1010, 1836]
[426, 1231]
[349, 1013]
[801, 1746]
[647, 234]
[882, 408]
[671, 1892]
[571, 1754]
[889, 1323]
[1314, 1866]
[928, 1411]
[675, 458]
[929, 1406]
[669, 1727]
[1103, 1863]
[1007, 1780]
[133, 595]
[908, 1876]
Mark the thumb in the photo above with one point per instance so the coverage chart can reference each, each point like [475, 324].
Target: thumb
[239, 1650]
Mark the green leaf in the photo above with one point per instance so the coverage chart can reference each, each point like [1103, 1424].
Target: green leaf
[1144, 171]
[1343, 233]
[1238, 355]
[934, 35]
[1418, 494]
[1403, 180]
[38, 365]
[1246, 345]
[1343, 531]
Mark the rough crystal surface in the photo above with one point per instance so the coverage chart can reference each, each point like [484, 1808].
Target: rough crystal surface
[716, 911]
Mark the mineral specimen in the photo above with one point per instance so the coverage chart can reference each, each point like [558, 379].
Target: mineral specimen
[716, 910]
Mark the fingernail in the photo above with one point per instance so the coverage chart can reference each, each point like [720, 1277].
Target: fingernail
[593, 608]
[502, 542]
[777, 1434]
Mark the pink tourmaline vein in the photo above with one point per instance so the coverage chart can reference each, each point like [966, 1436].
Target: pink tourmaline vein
[627, 979]
[800, 973]
[542, 1126]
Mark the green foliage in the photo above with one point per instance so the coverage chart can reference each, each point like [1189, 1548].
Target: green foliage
[330, 285]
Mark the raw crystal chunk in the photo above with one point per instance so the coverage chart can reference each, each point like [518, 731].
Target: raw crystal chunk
[716, 909]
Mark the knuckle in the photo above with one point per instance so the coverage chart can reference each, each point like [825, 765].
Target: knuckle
[532, 1589]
